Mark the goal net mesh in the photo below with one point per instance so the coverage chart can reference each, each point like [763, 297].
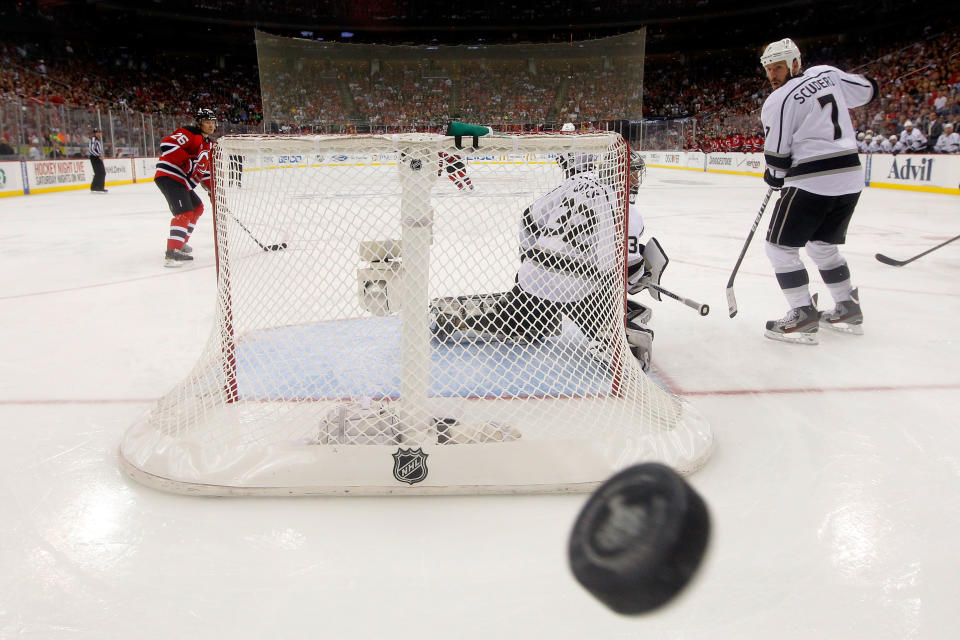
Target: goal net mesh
[395, 313]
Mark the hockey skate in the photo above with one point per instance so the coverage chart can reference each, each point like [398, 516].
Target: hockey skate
[800, 326]
[846, 317]
[176, 258]
[186, 248]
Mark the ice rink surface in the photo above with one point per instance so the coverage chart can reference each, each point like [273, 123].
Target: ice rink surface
[834, 489]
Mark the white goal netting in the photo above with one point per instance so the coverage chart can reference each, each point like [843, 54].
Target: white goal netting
[398, 314]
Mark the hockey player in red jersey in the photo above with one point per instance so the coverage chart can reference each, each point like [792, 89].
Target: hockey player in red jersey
[456, 170]
[184, 163]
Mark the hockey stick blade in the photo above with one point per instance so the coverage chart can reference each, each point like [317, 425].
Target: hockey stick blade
[890, 261]
[731, 302]
[899, 263]
[266, 247]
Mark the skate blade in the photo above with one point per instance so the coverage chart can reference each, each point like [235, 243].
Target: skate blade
[843, 327]
[795, 338]
[172, 264]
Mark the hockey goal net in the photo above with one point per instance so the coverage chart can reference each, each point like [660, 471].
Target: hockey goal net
[397, 314]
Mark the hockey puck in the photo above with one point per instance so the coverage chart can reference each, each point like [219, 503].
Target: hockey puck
[639, 539]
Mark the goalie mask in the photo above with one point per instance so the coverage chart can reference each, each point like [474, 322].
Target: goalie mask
[638, 170]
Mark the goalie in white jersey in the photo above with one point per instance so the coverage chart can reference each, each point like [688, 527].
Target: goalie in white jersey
[811, 152]
[569, 257]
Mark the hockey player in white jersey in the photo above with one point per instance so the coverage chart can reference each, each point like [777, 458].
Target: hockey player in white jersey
[568, 268]
[912, 138]
[949, 140]
[886, 145]
[811, 153]
[639, 334]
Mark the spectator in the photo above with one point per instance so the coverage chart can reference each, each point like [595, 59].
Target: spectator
[934, 127]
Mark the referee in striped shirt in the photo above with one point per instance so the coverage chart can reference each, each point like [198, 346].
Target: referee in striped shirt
[96, 159]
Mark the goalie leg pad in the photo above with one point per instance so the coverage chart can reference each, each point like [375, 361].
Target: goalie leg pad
[638, 312]
[464, 318]
[640, 339]
[514, 315]
[379, 286]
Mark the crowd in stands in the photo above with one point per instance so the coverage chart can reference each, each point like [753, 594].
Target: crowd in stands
[721, 92]
[919, 84]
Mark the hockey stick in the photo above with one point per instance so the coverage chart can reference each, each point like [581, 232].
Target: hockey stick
[704, 309]
[899, 263]
[732, 299]
[265, 247]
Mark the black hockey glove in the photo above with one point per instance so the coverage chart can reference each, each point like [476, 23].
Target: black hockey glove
[775, 183]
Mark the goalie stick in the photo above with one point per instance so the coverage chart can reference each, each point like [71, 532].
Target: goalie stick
[266, 247]
[732, 299]
[899, 263]
[704, 309]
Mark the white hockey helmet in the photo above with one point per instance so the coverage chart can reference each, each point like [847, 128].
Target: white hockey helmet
[568, 127]
[868, 137]
[781, 51]
[949, 124]
[860, 136]
[908, 123]
[893, 138]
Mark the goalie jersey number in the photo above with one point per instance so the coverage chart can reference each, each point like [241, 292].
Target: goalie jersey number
[567, 241]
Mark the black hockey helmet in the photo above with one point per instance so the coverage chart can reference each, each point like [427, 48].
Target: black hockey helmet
[203, 113]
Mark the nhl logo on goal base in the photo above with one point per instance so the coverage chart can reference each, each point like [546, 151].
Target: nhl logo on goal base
[410, 465]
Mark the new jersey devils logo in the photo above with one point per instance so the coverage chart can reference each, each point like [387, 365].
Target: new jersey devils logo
[410, 465]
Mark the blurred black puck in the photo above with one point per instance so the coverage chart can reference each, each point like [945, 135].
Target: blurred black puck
[639, 539]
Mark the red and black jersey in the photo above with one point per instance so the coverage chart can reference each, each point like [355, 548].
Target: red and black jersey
[185, 157]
